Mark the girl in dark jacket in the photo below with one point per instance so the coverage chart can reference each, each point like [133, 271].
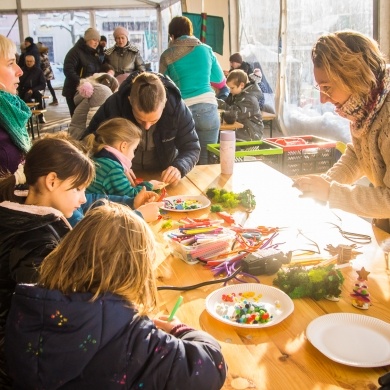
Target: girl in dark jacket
[81, 61]
[56, 173]
[85, 327]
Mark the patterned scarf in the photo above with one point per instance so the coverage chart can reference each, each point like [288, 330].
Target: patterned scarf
[14, 116]
[126, 163]
[181, 47]
[362, 114]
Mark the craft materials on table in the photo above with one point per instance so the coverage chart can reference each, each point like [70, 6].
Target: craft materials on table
[175, 308]
[199, 238]
[249, 305]
[184, 203]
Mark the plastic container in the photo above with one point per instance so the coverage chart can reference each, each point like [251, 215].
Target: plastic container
[264, 151]
[306, 154]
[212, 247]
[227, 150]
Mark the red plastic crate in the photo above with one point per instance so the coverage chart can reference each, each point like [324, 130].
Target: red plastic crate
[306, 154]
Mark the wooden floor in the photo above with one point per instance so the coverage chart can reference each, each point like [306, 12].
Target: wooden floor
[57, 117]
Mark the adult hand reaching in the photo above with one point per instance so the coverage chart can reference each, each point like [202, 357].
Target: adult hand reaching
[313, 186]
[171, 176]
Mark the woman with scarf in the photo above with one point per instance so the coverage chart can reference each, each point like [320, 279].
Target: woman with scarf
[192, 66]
[351, 73]
[14, 113]
[124, 57]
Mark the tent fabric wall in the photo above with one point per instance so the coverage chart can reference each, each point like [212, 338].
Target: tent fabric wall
[214, 30]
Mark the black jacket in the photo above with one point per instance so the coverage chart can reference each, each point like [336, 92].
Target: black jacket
[175, 138]
[27, 235]
[67, 342]
[31, 50]
[80, 62]
[246, 104]
[32, 78]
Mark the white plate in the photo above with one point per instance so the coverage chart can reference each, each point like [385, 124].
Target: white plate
[201, 200]
[277, 303]
[352, 339]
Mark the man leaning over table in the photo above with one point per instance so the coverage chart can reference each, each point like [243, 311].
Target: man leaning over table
[169, 140]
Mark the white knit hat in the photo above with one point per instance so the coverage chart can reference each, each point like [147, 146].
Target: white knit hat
[92, 33]
[120, 31]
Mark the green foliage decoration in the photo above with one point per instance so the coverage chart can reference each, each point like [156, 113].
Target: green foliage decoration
[317, 282]
[230, 199]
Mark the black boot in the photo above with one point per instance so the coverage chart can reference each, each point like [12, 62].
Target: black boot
[41, 118]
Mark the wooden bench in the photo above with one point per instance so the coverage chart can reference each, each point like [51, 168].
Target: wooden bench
[268, 118]
[35, 113]
[44, 98]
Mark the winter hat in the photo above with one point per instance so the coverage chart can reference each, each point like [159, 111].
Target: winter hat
[29, 39]
[256, 76]
[120, 31]
[92, 33]
[236, 57]
[103, 38]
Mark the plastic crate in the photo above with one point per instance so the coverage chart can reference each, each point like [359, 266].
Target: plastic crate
[268, 153]
[306, 154]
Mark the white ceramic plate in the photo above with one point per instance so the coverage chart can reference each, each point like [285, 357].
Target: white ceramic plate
[278, 304]
[200, 201]
[352, 339]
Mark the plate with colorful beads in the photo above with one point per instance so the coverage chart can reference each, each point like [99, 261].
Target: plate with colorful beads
[185, 203]
[249, 305]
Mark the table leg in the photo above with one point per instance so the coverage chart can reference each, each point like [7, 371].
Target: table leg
[31, 126]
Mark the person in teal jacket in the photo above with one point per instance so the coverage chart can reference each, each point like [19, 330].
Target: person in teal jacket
[192, 65]
[112, 149]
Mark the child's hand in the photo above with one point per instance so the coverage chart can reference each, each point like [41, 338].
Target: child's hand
[144, 197]
[162, 323]
[157, 185]
[150, 211]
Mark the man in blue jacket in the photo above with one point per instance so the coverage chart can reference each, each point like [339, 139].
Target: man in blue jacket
[169, 141]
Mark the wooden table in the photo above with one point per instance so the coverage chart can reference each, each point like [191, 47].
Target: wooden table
[278, 357]
[234, 126]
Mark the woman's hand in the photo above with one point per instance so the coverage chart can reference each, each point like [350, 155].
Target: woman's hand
[150, 211]
[313, 186]
[171, 176]
[162, 323]
[144, 197]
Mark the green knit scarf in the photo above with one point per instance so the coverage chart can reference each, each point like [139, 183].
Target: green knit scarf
[14, 114]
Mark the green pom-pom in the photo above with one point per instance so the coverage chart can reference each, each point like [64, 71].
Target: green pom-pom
[215, 208]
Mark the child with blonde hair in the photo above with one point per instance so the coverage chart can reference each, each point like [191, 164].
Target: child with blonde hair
[244, 99]
[85, 324]
[112, 148]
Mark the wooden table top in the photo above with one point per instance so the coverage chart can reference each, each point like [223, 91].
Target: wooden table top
[236, 125]
[280, 356]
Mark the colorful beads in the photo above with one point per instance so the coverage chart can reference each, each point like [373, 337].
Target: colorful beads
[179, 204]
[245, 310]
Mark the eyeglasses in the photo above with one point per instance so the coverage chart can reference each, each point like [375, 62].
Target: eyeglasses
[325, 89]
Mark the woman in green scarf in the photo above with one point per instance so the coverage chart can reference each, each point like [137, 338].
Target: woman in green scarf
[14, 113]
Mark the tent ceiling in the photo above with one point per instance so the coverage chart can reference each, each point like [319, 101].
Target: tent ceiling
[8, 6]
